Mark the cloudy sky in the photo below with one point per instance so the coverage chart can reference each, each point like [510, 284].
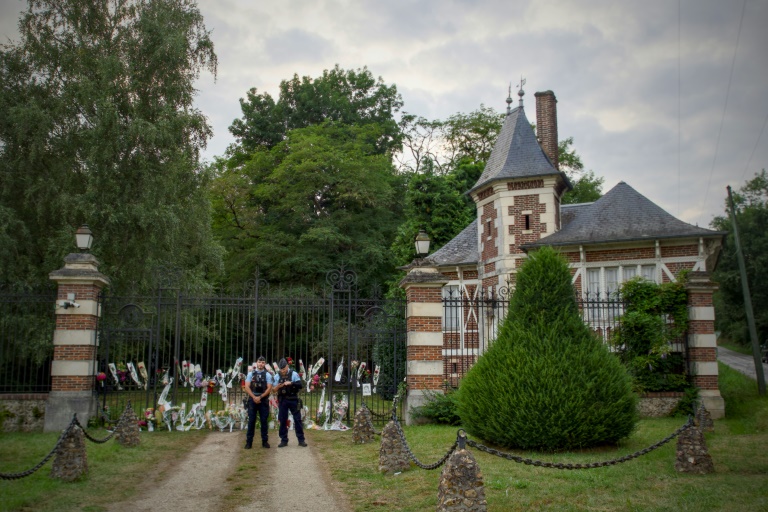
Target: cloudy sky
[670, 97]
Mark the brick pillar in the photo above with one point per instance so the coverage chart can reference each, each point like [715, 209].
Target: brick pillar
[424, 322]
[702, 344]
[74, 342]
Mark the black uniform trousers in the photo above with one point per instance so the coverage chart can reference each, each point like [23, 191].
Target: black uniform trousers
[286, 405]
[263, 411]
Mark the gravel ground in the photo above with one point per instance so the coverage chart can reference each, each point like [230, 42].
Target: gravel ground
[292, 478]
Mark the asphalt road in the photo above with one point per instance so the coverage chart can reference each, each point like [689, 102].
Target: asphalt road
[740, 362]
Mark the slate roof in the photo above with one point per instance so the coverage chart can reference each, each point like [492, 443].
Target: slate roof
[621, 215]
[517, 153]
[462, 250]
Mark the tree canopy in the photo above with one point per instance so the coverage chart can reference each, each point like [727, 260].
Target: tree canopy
[348, 97]
[751, 202]
[319, 199]
[98, 126]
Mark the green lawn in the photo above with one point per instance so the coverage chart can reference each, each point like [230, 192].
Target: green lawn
[738, 449]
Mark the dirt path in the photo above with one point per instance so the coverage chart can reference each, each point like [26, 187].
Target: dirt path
[292, 478]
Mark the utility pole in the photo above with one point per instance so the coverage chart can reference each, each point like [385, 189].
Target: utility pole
[747, 299]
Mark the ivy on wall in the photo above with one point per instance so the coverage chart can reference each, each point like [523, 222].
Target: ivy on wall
[656, 316]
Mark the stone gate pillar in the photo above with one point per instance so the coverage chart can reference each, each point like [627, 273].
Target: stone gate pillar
[424, 323]
[702, 344]
[74, 342]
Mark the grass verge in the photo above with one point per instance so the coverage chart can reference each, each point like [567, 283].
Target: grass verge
[114, 474]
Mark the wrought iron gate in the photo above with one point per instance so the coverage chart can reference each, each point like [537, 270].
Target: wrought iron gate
[187, 339]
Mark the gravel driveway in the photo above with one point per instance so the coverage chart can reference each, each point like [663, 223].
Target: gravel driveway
[294, 481]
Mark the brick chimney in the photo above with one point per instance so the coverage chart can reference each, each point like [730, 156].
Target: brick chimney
[546, 124]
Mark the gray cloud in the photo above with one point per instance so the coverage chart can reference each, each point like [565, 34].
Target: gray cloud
[614, 66]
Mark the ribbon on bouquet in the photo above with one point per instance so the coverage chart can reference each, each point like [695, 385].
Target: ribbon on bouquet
[339, 370]
[302, 370]
[235, 371]
[376, 377]
[222, 382]
[143, 373]
[360, 370]
[314, 370]
[113, 371]
[164, 394]
[134, 375]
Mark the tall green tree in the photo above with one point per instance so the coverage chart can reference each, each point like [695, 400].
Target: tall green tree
[98, 126]
[321, 198]
[349, 97]
[751, 203]
[442, 144]
[587, 188]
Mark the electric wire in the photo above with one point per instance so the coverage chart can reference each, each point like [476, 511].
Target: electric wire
[725, 104]
[757, 143]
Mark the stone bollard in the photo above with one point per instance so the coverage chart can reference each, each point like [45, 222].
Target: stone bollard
[71, 461]
[127, 430]
[392, 454]
[461, 482]
[692, 454]
[703, 419]
[362, 430]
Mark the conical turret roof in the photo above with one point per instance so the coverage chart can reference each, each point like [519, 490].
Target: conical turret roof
[517, 153]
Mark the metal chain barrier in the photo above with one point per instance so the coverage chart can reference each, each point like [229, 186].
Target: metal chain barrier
[93, 439]
[73, 424]
[591, 465]
[14, 476]
[417, 461]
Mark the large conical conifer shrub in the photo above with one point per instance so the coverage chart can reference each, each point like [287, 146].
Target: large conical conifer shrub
[547, 382]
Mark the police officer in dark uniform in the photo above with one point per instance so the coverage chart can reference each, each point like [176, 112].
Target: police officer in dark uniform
[258, 385]
[288, 388]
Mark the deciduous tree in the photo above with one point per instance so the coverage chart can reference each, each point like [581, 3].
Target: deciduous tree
[98, 126]
[751, 203]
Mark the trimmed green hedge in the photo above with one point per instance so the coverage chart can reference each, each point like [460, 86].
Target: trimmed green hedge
[547, 382]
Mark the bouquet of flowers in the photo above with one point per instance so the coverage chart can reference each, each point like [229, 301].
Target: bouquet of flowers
[149, 418]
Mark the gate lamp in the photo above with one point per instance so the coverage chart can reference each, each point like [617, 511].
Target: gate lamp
[422, 243]
[84, 238]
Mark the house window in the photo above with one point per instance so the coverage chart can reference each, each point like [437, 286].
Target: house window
[488, 229]
[648, 272]
[527, 222]
[452, 308]
[593, 281]
[611, 280]
[629, 272]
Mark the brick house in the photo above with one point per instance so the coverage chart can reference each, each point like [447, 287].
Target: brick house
[518, 196]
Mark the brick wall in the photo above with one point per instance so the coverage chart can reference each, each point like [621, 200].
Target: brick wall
[77, 322]
[74, 353]
[488, 221]
[525, 185]
[621, 254]
[71, 382]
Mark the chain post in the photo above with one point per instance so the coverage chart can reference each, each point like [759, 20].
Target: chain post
[461, 439]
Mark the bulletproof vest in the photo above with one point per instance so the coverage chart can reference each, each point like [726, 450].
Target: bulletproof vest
[259, 382]
[288, 391]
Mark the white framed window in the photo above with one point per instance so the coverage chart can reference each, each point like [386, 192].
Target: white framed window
[611, 279]
[648, 272]
[628, 273]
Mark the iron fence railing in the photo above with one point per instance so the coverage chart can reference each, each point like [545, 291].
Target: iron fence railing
[472, 318]
[27, 322]
[161, 333]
